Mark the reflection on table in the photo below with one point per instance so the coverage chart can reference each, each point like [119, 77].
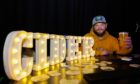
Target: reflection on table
[70, 72]
[86, 71]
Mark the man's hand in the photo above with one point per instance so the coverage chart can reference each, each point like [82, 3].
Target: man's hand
[128, 42]
[102, 51]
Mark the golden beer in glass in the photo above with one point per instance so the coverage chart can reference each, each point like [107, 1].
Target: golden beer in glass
[122, 36]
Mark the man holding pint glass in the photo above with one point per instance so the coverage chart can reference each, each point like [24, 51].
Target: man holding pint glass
[105, 43]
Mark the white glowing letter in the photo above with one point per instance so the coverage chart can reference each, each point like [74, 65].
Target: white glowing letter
[70, 48]
[91, 44]
[62, 50]
[41, 61]
[78, 52]
[54, 49]
[12, 55]
[87, 45]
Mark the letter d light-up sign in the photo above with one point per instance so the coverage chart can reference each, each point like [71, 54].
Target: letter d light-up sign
[18, 67]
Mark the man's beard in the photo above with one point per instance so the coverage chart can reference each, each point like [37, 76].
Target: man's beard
[99, 34]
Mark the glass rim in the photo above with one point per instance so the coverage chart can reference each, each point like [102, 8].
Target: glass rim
[123, 32]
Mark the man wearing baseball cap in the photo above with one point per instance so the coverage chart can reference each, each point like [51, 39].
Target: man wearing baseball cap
[104, 43]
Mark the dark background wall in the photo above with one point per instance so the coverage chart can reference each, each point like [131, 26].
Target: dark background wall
[67, 17]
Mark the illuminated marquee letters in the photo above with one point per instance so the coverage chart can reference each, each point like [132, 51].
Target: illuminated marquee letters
[18, 67]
